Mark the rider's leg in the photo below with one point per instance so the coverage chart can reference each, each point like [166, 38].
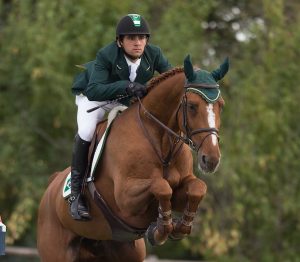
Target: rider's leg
[79, 209]
[87, 123]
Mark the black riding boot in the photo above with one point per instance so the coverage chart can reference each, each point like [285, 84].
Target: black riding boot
[78, 207]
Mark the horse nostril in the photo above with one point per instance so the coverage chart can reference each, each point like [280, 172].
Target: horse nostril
[209, 161]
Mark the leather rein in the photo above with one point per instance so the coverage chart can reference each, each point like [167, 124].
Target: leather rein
[174, 137]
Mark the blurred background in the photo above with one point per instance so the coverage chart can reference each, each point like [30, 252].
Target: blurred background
[251, 211]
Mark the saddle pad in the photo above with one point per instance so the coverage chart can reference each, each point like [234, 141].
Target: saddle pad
[98, 152]
[112, 115]
[67, 186]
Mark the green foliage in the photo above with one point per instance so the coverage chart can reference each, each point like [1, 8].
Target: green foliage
[251, 211]
[178, 30]
[256, 188]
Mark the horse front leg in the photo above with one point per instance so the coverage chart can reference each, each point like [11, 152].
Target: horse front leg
[158, 232]
[191, 192]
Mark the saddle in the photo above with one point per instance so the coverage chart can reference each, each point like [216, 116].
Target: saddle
[95, 149]
[100, 130]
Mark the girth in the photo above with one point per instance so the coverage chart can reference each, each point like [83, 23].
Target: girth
[120, 230]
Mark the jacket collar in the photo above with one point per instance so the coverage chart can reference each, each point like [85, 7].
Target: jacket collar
[122, 68]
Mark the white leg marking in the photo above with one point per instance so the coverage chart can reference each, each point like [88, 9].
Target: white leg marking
[211, 118]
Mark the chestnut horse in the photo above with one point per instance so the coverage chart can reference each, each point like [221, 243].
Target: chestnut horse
[145, 172]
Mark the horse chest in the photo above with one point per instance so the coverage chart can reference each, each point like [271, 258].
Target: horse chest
[172, 176]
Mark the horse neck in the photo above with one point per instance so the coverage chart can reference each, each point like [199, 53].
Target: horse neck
[163, 101]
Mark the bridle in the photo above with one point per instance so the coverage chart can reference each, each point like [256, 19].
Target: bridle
[174, 138]
[189, 133]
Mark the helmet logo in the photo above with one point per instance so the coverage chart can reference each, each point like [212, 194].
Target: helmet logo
[136, 19]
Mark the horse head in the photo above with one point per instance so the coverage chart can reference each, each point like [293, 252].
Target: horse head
[202, 107]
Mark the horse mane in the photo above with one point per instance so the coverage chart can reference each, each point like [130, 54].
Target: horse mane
[156, 80]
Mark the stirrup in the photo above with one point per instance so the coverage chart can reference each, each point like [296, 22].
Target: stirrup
[75, 212]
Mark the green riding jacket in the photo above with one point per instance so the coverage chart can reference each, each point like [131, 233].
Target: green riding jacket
[107, 77]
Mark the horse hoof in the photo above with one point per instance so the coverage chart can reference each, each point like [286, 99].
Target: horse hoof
[176, 237]
[150, 234]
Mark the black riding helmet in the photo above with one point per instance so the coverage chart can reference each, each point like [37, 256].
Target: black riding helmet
[132, 24]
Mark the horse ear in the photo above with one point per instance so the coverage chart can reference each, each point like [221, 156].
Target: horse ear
[188, 69]
[219, 73]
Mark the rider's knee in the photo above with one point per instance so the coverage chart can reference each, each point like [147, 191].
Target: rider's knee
[86, 133]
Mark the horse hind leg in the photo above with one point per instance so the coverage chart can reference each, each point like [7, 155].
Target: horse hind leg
[53, 241]
[133, 251]
[52, 238]
[88, 250]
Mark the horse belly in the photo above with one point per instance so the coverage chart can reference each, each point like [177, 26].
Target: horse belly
[97, 228]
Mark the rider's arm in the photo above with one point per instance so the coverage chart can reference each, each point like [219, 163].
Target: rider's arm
[163, 64]
[158, 61]
[101, 85]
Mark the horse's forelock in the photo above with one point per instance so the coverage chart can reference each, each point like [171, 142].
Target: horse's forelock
[158, 79]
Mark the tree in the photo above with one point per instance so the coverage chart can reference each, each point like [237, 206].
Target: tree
[250, 212]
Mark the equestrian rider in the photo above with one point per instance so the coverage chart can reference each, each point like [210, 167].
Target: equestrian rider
[121, 69]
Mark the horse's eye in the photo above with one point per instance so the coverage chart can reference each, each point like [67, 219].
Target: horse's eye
[192, 108]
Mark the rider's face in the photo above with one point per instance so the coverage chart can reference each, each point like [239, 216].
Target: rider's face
[134, 45]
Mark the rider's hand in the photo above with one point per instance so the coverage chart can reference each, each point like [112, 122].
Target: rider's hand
[136, 89]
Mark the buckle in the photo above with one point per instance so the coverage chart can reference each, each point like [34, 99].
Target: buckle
[191, 144]
[71, 199]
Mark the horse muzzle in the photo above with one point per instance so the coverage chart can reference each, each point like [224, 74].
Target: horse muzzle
[208, 163]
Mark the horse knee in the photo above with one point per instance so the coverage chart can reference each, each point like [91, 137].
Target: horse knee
[196, 190]
[162, 190]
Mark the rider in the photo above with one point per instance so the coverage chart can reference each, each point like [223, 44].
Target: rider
[121, 69]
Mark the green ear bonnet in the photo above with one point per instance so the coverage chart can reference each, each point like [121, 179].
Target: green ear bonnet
[203, 82]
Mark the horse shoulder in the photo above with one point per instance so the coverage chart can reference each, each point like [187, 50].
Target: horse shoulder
[184, 163]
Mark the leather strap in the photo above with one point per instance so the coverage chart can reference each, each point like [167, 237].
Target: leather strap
[120, 230]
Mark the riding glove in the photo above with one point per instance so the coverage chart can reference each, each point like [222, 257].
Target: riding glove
[136, 89]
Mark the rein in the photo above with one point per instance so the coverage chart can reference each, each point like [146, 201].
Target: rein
[186, 138]
[108, 102]
[172, 152]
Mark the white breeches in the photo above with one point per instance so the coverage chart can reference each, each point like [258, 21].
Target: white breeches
[87, 122]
